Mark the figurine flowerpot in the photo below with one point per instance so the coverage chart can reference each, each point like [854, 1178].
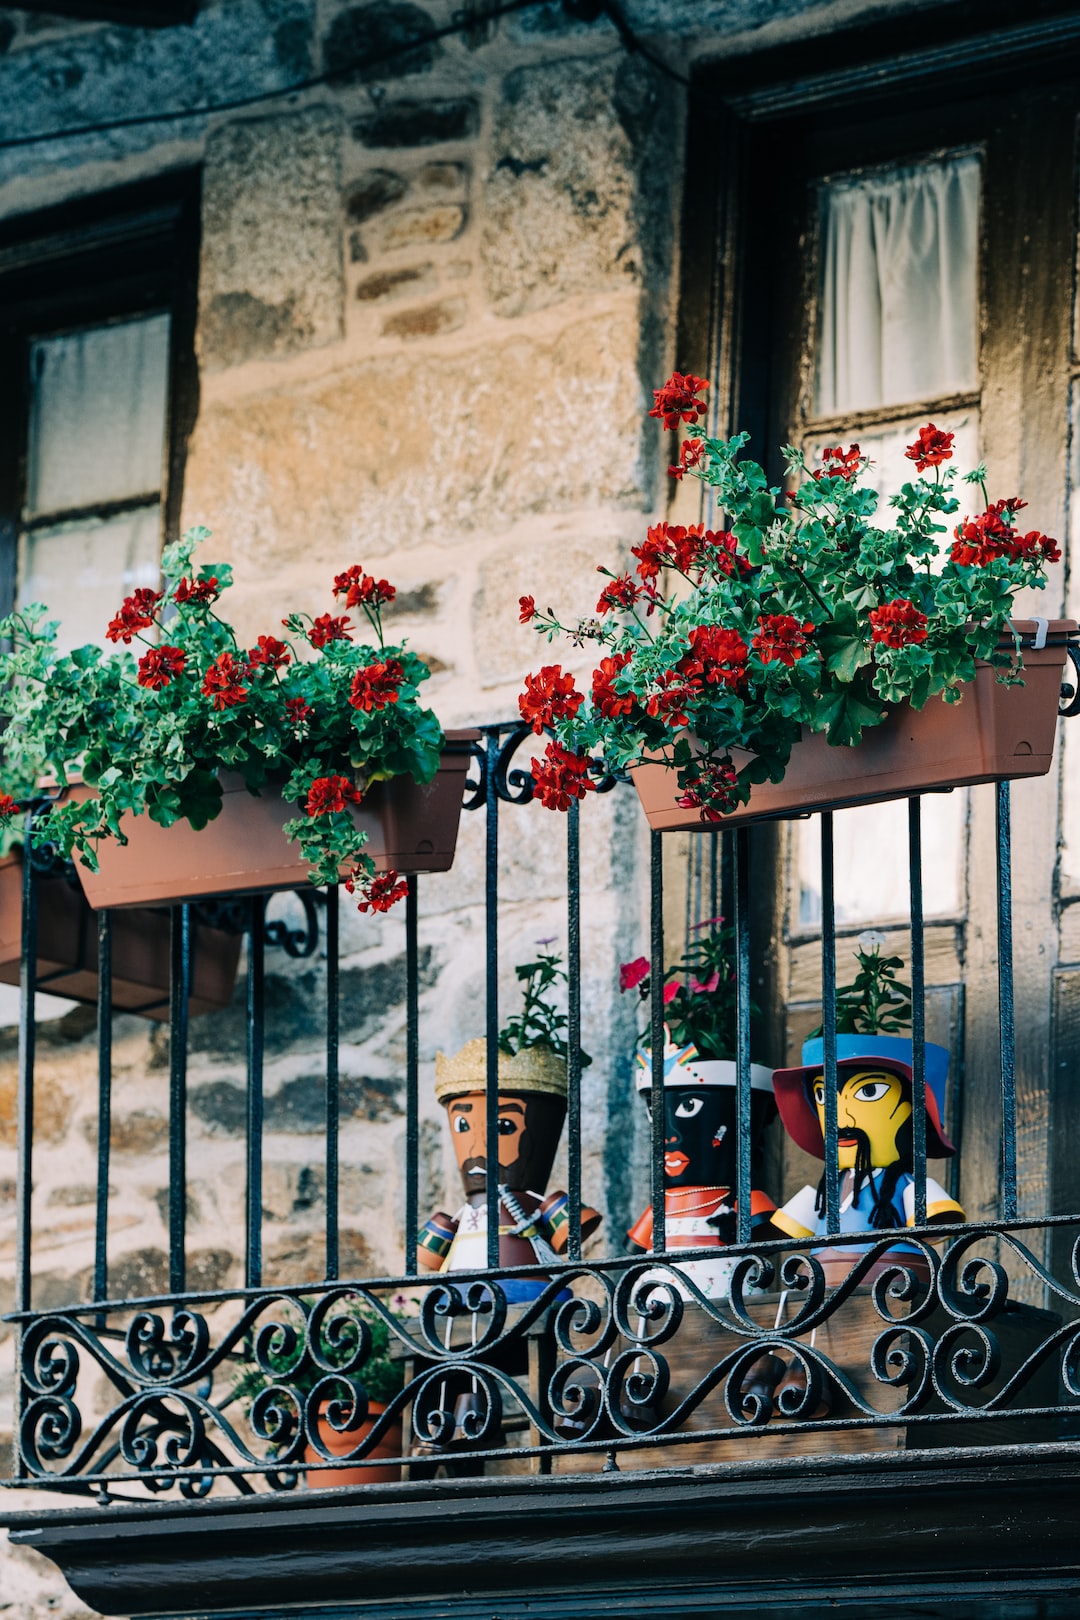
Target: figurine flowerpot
[410, 827]
[67, 949]
[995, 734]
[339, 1442]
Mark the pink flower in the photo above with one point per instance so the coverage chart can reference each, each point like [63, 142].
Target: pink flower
[699, 989]
[632, 973]
[671, 990]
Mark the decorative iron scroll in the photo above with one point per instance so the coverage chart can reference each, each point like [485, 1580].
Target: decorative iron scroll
[608, 1358]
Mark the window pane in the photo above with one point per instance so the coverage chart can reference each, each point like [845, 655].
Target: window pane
[899, 286]
[871, 881]
[886, 445]
[97, 419]
[82, 571]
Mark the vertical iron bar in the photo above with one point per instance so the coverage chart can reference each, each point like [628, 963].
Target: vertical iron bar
[104, 1122]
[742, 1030]
[412, 1076]
[333, 1090]
[573, 1030]
[179, 993]
[656, 1010]
[27, 1032]
[918, 1011]
[491, 921]
[1006, 1013]
[256, 1031]
[714, 874]
[828, 1021]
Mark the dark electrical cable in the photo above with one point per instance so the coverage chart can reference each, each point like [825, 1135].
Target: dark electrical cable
[588, 11]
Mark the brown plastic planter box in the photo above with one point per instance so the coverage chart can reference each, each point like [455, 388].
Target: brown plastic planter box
[410, 828]
[997, 733]
[67, 950]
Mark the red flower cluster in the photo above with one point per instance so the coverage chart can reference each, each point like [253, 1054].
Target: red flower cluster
[269, 653]
[376, 686]
[325, 629]
[379, 893]
[985, 538]
[782, 639]
[839, 463]
[363, 590]
[677, 401]
[931, 448]
[562, 778]
[329, 794]
[136, 613]
[898, 624]
[223, 682]
[8, 806]
[717, 656]
[197, 591]
[527, 609]
[622, 594]
[160, 666]
[672, 545]
[691, 456]
[711, 789]
[671, 698]
[606, 700]
[548, 697]
[298, 711]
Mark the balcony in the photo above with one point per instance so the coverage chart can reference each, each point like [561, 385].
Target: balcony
[601, 1431]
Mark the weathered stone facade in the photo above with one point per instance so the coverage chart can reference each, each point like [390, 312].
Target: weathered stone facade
[433, 296]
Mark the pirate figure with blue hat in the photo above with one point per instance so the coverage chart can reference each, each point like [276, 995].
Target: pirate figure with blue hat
[700, 1137]
[875, 1138]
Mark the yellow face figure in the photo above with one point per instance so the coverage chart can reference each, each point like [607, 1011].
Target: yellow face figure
[868, 1101]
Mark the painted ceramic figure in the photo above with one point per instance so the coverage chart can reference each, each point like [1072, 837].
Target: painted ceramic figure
[533, 1223]
[874, 1117]
[700, 1135]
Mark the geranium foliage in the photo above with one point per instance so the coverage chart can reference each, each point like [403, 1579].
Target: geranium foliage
[812, 607]
[322, 714]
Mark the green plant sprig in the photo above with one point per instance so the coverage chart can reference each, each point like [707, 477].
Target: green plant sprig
[539, 1022]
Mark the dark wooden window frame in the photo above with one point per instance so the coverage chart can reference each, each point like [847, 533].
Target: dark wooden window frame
[125, 252]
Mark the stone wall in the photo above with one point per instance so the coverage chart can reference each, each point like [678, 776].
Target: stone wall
[433, 298]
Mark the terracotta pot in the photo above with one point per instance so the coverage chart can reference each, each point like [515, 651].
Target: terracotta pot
[339, 1443]
[67, 950]
[997, 733]
[244, 850]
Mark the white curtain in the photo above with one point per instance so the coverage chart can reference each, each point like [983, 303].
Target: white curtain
[899, 287]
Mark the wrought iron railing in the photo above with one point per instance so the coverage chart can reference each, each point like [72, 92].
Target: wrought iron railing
[616, 1361]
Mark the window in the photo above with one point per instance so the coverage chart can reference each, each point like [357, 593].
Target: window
[96, 317]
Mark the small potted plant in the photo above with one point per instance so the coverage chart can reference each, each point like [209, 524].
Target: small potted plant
[178, 769]
[811, 650]
[700, 1106]
[377, 1382]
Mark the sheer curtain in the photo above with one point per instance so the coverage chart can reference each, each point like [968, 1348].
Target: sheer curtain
[898, 298]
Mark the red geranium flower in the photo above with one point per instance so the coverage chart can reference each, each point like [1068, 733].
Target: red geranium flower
[606, 700]
[379, 893]
[898, 624]
[329, 794]
[222, 682]
[160, 666]
[711, 789]
[691, 455]
[716, 656]
[526, 609]
[931, 448]
[670, 699]
[269, 653]
[8, 806]
[298, 711]
[325, 629]
[782, 639]
[676, 546]
[1033, 543]
[622, 593]
[676, 402]
[548, 697]
[981, 540]
[363, 590]
[197, 590]
[136, 613]
[839, 463]
[562, 778]
[376, 686]
[632, 973]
